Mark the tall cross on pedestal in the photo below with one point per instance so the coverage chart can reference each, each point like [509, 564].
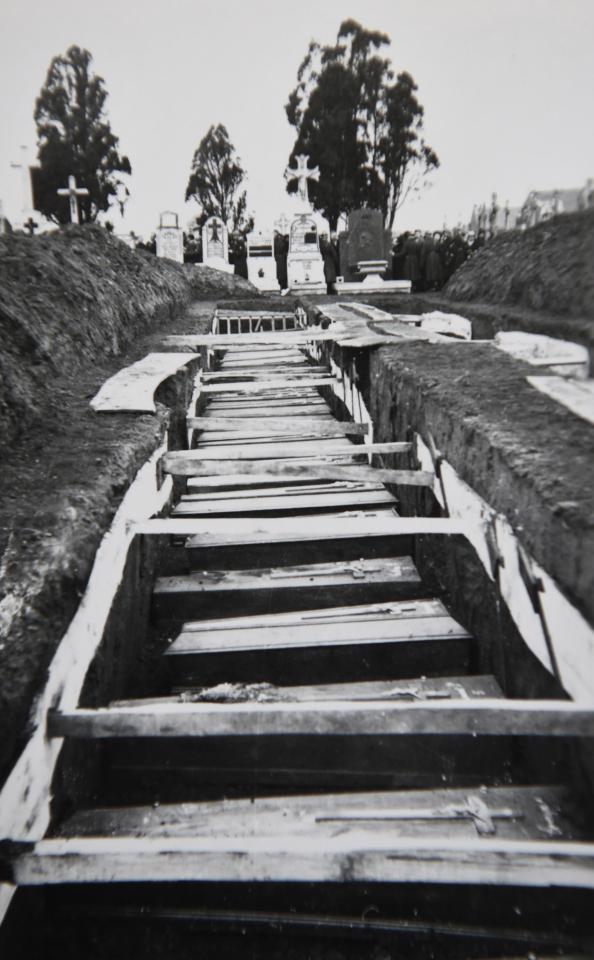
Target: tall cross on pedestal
[74, 193]
[302, 175]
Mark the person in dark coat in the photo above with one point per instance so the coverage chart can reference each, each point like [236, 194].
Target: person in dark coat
[330, 255]
[412, 260]
[433, 264]
[281, 250]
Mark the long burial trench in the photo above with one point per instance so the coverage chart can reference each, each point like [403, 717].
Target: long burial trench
[295, 747]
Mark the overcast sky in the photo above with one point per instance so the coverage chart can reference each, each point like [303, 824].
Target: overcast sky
[506, 85]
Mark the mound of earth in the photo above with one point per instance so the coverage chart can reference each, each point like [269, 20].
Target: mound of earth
[548, 268]
[76, 296]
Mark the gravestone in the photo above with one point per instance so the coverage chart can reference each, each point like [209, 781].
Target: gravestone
[305, 265]
[261, 264]
[170, 239]
[215, 245]
[365, 247]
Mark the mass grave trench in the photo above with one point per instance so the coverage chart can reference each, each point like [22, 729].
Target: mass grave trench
[527, 675]
[455, 573]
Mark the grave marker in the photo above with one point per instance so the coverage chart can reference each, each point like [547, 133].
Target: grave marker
[260, 261]
[365, 246]
[170, 240]
[215, 245]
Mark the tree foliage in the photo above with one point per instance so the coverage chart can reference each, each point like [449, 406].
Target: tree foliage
[362, 127]
[75, 137]
[215, 182]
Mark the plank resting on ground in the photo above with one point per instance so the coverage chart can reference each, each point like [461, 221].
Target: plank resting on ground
[132, 389]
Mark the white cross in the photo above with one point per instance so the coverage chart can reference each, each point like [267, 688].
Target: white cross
[74, 193]
[282, 224]
[302, 175]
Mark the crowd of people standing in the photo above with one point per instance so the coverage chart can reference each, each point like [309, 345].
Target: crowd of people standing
[428, 260]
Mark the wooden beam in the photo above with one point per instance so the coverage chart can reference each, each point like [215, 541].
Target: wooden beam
[237, 530]
[263, 386]
[284, 424]
[353, 854]
[534, 718]
[273, 451]
[287, 469]
[201, 506]
[420, 689]
[224, 340]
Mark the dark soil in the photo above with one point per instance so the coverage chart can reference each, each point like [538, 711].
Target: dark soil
[549, 267]
[75, 307]
[71, 297]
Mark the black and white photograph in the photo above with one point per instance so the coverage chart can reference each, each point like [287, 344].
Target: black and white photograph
[296, 480]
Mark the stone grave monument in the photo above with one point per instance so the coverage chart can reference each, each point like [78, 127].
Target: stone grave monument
[170, 239]
[365, 246]
[365, 251]
[305, 265]
[261, 263]
[215, 245]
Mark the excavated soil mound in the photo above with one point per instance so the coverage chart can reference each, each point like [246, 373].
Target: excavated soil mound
[73, 297]
[548, 268]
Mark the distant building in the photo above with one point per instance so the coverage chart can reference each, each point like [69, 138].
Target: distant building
[542, 204]
[539, 205]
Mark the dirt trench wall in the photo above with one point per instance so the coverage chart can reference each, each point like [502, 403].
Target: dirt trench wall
[548, 268]
[74, 297]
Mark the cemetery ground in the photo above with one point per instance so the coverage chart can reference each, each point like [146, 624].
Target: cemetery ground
[78, 306]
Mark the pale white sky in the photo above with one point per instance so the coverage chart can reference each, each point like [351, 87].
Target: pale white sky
[506, 84]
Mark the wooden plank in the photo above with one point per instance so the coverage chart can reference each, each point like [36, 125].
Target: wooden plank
[362, 613]
[263, 590]
[272, 451]
[419, 689]
[291, 504]
[245, 437]
[132, 389]
[284, 424]
[352, 854]
[288, 490]
[236, 531]
[290, 338]
[302, 372]
[321, 468]
[486, 717]
[575, 395]
[264, 386]
[255, 411]
[514, 813]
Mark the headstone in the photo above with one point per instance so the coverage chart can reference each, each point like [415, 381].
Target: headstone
[261, 264]
[169, 237]
[305, 266]
[215, 245]
[365, 247]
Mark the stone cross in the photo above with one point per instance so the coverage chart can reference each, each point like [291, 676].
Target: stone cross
[74, 193]
[282, 224]
[302, 174]
[31, 226]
